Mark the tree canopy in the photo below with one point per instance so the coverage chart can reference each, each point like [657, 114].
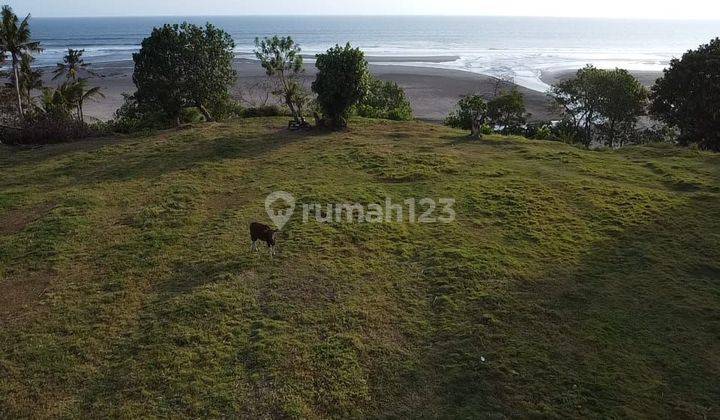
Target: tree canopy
[341, 82]
[186, 65]
[601, 105]
[507, 110]
[688, 96]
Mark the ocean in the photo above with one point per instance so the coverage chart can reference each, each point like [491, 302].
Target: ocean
[519, 47]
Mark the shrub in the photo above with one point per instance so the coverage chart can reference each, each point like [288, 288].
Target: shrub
[341, 82]
[263, 111]
[507, 110]
[688, 96]
[470, 114]
[133, 117]
[44, 129]
[538, 131]
[386, 100]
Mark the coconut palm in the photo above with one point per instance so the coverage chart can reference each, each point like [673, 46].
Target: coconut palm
[15, 37]
[78, 92]
[30, 79]
[73, 64]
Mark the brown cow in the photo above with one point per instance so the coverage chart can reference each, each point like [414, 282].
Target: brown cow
[261, 232]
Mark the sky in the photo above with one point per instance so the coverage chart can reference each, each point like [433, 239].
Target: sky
[651, 9]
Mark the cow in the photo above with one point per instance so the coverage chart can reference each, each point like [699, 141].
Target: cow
[261, 232]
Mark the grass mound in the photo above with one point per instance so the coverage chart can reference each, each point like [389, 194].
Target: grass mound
[573, 283]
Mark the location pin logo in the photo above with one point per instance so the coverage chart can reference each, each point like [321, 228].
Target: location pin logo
[280, 217]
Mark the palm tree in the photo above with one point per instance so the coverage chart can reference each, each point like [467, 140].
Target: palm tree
[30, 79]
[76, 93]
[15, 36]
[72, 65]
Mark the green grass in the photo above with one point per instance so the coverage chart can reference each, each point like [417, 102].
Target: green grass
[574, 283]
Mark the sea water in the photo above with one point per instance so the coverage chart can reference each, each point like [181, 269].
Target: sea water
[517, 47]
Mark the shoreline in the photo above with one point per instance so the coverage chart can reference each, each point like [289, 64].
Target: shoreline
[432, 91]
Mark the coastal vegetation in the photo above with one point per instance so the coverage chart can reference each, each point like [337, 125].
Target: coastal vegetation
[182, 66]
[282, 60]
[688, 96]
[59, 114]
[602, 106]
[341, 83]
[385, 100]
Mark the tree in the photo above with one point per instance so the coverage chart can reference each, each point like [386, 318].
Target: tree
[281, 58]
[30, 79]
[688, 96]
[470, 114]
[72, 66]
[182, 66]
[623, 100]
[81, 92]
[15, 39]
[508, 111]
[341, 82]
[601, 105]
[385, 99]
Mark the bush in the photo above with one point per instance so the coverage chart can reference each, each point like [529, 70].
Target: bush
[507, 110]
[538, 131]
[470, 114]
[43, 129]
[385, 100]
[341, 82]
[263, 111]
[133, 117]
[688, 96]
[191, 116]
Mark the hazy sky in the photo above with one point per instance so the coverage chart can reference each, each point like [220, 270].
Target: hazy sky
[663, 9]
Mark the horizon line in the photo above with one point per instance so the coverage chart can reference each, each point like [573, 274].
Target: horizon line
[378, 15]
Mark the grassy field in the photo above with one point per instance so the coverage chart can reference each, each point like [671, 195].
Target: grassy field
[573, 283]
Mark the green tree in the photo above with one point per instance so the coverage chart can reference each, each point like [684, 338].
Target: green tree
[30, 79]
[16, 40]
[341, 82]
[508, 110]
[688, 96]
[182, 66]
[601, 105]
[470, 114]
[72, 66]
[281, 58]
[81, 93]
[385, 99]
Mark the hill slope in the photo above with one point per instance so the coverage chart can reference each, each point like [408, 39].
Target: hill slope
[573, 283]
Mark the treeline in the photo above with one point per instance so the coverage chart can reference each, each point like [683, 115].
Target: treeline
[604, 107]
[184, 73]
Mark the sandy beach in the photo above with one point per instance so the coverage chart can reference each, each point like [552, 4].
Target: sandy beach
[432, 92]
